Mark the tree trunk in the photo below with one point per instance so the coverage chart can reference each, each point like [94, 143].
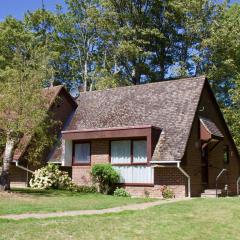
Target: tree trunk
[85, 76]
[7, 158]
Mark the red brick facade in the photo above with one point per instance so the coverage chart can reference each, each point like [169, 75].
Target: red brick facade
[192, 158]
[191, 162]
[162, 176]
[168, 175]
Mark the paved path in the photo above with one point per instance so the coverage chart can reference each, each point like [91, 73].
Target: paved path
[139, 206]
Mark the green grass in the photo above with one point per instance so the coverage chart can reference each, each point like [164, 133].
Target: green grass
[27, 200]
[212, 219]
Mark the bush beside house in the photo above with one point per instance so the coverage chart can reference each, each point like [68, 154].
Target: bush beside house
[121, 192]
[105, 176]
[50, 177]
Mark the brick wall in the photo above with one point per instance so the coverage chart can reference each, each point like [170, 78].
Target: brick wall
[162, 176]
[191, 161]
[170, 176]
[99, 154]
[192, 158]
[154, 192]
[81, 175]
[216, 156]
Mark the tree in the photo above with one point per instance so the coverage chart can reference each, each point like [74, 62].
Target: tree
[156, 40]
[78, 38]
[104, 43]
[224, 64]
[22, 77]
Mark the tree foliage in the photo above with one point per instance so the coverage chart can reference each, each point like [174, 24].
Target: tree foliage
[100, 44]
[224, 65]
[23, 73]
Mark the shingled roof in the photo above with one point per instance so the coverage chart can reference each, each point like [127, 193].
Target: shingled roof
[50, 94]
[169, 105]
[211, 127]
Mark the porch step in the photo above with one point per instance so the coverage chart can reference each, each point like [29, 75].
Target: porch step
[211, 193]
[18, 185]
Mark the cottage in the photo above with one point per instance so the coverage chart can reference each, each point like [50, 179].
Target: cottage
[166, 133]
[61, 106]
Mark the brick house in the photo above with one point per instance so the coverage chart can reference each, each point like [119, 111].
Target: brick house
[61, 106]
[166, 133]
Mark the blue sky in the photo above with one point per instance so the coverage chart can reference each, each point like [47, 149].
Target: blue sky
[17, 8]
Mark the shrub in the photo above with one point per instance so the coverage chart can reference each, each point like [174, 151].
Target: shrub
[167, 192]
[50, 177]
[121, 192]
[105, 176]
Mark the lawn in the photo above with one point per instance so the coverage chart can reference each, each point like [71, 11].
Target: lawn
[212, 219]
[27, 200]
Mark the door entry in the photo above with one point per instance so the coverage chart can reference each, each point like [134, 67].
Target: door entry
[205, 165]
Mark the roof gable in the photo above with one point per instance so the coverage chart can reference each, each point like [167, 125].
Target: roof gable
[169, 105]
[51, 94]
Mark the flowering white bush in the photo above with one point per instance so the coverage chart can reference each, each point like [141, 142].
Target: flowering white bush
[51, 177]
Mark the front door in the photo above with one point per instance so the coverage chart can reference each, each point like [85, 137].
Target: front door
[205, 166]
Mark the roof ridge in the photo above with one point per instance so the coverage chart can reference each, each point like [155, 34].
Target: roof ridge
[202, 77]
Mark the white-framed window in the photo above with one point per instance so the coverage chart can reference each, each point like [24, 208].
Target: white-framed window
[139, 151]
[81, 153]
[121, 152]
[129, 151]
[135, 174]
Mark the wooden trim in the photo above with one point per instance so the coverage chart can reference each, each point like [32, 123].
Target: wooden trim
[73, 153]
[137, 184]
[130, 164]
[110, 133]
[110, 129]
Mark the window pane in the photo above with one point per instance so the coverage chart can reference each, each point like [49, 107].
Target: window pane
[121, 151]
[135, 174]
[140, 151]
[82, 153]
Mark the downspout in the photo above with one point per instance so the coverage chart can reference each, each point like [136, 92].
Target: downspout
[23, 168]
[183, 172]
[187, 176]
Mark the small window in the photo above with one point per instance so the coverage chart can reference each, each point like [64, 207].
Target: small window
[82, 153]
[121, 152]
[139, 151]
[226, 155]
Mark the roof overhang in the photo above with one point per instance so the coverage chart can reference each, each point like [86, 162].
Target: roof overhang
[209, 130]
[110, 133]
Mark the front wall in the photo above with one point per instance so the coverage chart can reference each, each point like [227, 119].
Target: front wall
[17, 175]
[192, 160]
[162, 176]
[192, 157]
[99, 154]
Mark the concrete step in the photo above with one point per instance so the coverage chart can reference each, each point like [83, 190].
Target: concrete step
[18, 185]
[212, 191]
[204, 195]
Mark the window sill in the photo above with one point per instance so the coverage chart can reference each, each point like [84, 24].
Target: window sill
[130, 164]
[81, 164]
[137, 184]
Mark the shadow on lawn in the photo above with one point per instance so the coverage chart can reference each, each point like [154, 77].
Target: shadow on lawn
[47, 193]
